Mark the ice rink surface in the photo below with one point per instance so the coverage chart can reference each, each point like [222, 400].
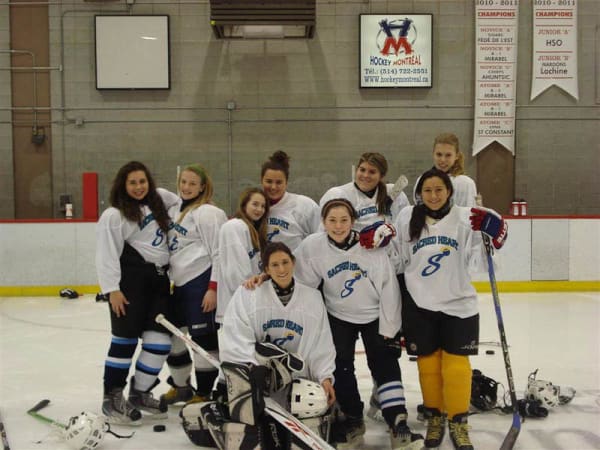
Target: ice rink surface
[53, 348]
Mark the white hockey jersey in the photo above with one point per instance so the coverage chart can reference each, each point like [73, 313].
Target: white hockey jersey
[194, 242]
[465, 191]
[291, 219]
[365, 206]
[301, 326]
[359, 285]
[239, 261]
[113, 230]
[437, 266]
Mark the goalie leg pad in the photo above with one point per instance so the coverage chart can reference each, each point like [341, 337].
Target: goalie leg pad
[203, 431]
[274, 436]
[245, 390]
[240, 436]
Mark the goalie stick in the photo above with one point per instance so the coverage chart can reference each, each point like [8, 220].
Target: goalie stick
[513, 432]
[398, 187]
[273, 409]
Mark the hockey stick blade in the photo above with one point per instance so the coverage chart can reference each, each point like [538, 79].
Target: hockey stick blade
[41, 404]
[398, 187]
[511, 437]
[3, 435]
[276, 411]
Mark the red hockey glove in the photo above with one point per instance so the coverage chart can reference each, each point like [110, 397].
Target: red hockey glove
[378, 234]
[489, 222]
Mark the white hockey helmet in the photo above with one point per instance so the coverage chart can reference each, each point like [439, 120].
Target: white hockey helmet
[307, 399]
[85, 431]
[544, 391]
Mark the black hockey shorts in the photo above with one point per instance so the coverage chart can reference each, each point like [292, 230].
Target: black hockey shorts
[147, 291]
[185, 306]
[425, 331]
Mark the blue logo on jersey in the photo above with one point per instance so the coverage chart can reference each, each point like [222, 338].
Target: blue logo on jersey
[252, 253]
[281, 341]
[174, 244]
[434, 262]
[159, 238]
[348, 289]
[146, 220]
[173, 241]
[272, 234]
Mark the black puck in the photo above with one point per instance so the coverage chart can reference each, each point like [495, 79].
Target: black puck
[490, 352]
[412, 358]
[159, 428]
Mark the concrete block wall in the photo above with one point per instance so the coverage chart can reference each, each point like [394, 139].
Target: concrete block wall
[302, 96]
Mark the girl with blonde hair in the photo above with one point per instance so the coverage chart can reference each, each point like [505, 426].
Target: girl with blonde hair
[194, 270]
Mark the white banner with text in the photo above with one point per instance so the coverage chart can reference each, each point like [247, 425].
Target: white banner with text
[554, 46]
[496, 29]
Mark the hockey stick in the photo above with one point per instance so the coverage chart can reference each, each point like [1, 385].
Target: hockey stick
[161, 319]
[276, 411]
[398, 187]
[5, 444]
[513, 432]
[33, 412]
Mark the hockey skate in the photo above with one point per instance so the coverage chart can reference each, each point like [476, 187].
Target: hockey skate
[459, 432]
[177, 394]
[402, 438]
[436, 428]
[422, 413]
[181, 394]
[145, 401]
[119, 411]
[347, 433]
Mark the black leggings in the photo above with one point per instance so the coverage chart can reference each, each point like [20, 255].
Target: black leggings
[381, 359]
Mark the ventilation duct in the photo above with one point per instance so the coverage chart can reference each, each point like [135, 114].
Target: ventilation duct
[263, 19]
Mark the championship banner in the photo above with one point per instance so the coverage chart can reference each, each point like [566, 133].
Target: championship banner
[554, 46]
[496, 27]
[395, 50]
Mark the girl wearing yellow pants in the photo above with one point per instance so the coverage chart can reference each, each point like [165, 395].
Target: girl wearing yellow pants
[438, 244]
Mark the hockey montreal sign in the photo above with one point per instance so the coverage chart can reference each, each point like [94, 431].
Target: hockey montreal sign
[395, 50]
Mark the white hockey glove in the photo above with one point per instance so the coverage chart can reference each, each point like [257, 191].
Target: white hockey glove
[280, 362]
